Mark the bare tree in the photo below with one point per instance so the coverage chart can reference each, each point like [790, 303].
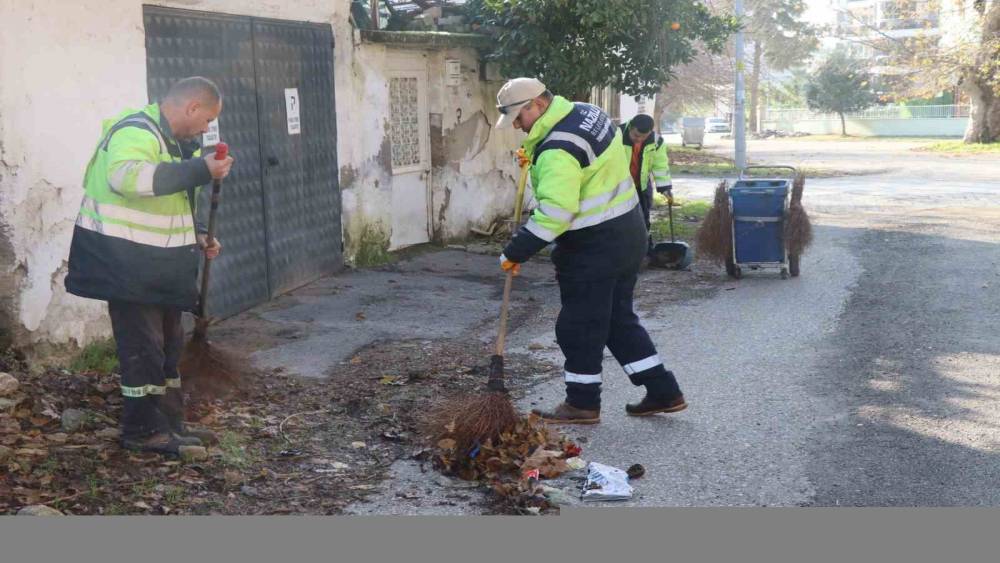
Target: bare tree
[703, 81]
[965, 54]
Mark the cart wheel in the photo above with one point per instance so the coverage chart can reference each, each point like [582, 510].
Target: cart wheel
[683, 144]
[733, 270]
[793, 265]
[784, 273]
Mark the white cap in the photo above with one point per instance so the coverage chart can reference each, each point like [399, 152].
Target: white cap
[514, 95]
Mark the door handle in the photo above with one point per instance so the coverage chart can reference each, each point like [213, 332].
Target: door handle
[273, 161]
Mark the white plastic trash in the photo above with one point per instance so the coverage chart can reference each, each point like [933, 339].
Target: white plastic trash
[606, 483]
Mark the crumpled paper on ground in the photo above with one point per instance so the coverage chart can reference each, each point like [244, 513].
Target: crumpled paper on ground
[606, 483]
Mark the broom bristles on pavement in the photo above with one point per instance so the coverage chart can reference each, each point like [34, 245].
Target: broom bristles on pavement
[714, 237]
[210, 370]
[798, 229]
[471, 420]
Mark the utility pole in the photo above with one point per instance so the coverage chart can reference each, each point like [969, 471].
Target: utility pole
[739, 113]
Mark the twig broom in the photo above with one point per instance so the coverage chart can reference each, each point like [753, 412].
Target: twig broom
[477, 419]
[207, 367]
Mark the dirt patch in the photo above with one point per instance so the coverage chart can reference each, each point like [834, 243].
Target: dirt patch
[288, 445]
[657, 288]
[681, 157]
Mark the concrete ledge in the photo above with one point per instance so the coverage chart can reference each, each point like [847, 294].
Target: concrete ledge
[427, 39]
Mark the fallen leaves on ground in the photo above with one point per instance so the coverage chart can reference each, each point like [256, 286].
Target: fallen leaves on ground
[508, 465]
[309, 468]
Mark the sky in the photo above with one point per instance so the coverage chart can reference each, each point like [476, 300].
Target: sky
[818, 12]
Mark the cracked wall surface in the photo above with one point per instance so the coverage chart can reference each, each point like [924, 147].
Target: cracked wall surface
[50, 121]
[66, 66]
[473, 164]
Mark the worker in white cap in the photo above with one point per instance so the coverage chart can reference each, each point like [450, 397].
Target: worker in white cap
[588, 206]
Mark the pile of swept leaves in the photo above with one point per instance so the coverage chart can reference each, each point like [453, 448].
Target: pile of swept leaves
[514, 465]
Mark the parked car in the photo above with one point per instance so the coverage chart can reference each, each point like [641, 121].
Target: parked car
[717, 125]
[667, 127]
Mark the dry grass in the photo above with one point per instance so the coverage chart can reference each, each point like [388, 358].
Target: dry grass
[798, 229]
[713, 238]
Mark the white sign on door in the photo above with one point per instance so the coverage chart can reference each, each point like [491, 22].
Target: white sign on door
[292, 103]
[211, 137]
[453, 72]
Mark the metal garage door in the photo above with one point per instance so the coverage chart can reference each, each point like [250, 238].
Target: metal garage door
[279, 219]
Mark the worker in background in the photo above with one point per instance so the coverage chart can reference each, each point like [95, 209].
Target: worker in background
[588, 206]
[649, 164]
[135, 245]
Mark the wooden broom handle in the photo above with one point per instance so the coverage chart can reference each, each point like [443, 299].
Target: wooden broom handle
[505, 305]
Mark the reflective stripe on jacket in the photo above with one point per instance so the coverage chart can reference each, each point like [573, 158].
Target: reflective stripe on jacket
[134, 238]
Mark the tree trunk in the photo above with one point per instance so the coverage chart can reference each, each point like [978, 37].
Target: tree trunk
[758, 54]
[843, 124]
[659, 106]
[984, 117]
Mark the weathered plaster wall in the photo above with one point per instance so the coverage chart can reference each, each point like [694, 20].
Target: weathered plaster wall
[474, 174]
[363, 147]
[66, 66]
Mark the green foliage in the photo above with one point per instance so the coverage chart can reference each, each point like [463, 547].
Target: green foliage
[788, 93]
[174, 495]
[687, 217]
[99, 357]
[963, 147]
[372, 248]
[234, 451]
[778, 26]
[576, 45]
[840, 85]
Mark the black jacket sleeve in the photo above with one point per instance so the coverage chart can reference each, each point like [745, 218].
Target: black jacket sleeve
[173, 177]
[523, 246]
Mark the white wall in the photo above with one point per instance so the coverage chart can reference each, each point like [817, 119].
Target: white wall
[472, 163]
[66, 66]
[630, 107]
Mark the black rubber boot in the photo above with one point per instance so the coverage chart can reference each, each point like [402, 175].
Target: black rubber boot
[172, 406]
[160, 442]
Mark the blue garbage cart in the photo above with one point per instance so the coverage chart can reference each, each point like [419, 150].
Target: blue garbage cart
[758, 208]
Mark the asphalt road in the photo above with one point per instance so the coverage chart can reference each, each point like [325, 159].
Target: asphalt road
[871, 380]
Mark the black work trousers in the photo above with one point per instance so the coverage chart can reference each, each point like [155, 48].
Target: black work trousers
[149, 340]
[597, 314]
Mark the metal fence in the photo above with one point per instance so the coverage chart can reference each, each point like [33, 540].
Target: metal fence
[876, 112]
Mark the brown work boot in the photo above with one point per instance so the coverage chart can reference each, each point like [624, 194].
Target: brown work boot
[161, 443]
[206, 436]
[172, 407]
[652, 405]
[564, 413]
